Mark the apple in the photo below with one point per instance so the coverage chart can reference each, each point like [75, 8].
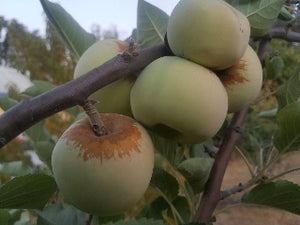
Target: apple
[209, 32]
[114, 97]
[103, 175]
[242, 81]
[179, 98]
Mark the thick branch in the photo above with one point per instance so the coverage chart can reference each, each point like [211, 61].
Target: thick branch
[75, 92]
[284, 34]
[211, 195]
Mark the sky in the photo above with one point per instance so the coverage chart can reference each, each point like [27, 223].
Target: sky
[106, 13]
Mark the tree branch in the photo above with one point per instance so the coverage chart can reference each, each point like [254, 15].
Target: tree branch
[211, 195]
[238, 188]
[28, 112]
[284, 34]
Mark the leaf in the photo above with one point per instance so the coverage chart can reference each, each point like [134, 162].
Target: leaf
[4, 217]
[156, 208]
[268, 113]
[38, 132]
[38, 87]
[289, 91]
[168, 148]
[281, 194]
[77, 39]
[165, 183]
[16, 168]
[285, 14]
[151, 24]
[287, 137]
[196, 171]
[27, 192]
[260, 13]
[58, 215]
[44, 150]
[6, 102]
[274, 67]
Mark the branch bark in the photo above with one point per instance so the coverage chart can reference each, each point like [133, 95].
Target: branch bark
[28, 112]
[211, 195]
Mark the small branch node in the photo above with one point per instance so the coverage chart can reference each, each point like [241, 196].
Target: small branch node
[131, 50]
[94, 117]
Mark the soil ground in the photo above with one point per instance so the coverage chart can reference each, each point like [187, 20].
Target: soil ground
[249, 215]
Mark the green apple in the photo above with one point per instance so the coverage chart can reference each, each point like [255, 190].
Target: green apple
[103, 175]
[115, 96]
[243, 80]
[180, 97]
[209, 32]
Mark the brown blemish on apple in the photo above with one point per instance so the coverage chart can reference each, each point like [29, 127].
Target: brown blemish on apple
[121, 141]
[122, 45]
[233, 75]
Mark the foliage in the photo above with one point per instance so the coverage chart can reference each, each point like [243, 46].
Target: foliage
[181, 171]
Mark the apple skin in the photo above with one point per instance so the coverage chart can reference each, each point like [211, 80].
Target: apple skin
[243, 81]
[180, 98]
[115, 97]
[209, 32]
[104, 175]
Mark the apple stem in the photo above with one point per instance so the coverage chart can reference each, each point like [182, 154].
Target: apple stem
[95, 118]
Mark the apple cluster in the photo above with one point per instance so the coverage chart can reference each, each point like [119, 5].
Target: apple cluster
[186, 96]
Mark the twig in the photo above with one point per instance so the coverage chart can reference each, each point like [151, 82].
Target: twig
[94, 117]
[28, 112]
[246, 161]
[211, 195]
[238, 188]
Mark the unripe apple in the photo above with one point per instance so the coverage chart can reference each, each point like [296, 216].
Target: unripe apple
[103, 175]
[242, 81]
[209, 32]
[115, 96]
[184, 97]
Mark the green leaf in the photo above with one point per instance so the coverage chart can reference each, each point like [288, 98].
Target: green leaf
[77, 39]
[151, 24]
[4, 217]
[17, 168]
[58, 215]
[44, 150]
[165, 183]
[196, 171]
[168, 148]
[38, 87]
[274, 67]
[280, 194]
[260, 13]
[285, 14]
[287, 137]
[38, 132]
[289, 91]
[6, 102]
[268, 113]
[27, 192]
[156, 208]
[133, 36]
